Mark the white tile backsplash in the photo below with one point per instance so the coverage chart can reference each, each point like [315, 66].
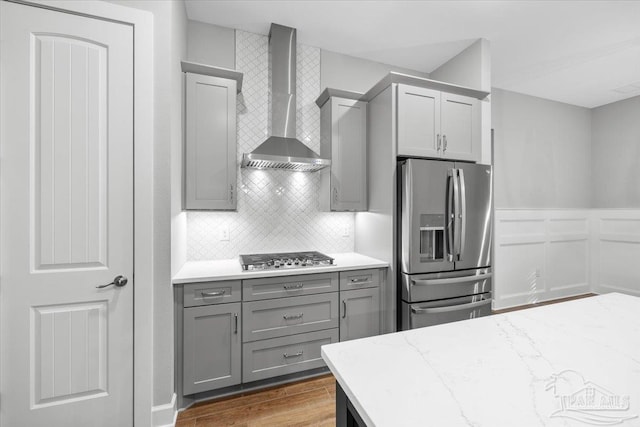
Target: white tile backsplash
[277, 210]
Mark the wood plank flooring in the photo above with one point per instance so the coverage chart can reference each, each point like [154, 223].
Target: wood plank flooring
[304, 403]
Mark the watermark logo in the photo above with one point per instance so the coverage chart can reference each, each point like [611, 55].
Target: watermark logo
[587, 402]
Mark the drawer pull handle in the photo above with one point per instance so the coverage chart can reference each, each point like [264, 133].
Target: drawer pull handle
[361, 280]
[292, 316]
[287, 355]
[213, 294]
[296, 286]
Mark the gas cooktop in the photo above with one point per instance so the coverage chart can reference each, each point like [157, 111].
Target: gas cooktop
[284, 260]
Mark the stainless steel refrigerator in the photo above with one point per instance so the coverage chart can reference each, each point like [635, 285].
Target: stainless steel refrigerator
[444, 247]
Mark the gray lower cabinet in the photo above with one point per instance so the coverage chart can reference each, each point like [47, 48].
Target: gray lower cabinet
[287, 316]
[238, 331]
[289, 286]
[359, 313]
[211, 347]
[285, 355]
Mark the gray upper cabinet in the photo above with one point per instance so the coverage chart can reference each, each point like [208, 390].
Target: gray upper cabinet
[460, 127]
[211, 347]
[344, 139]
[438, 124]
[210, 151]
[418, 121]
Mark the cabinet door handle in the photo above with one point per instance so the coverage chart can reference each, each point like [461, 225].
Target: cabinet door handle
[231, 192]
[235, 320]
[293, 316]
[344, 309]
[213, 294]
[444, 143]
[287, 355]
[438, 142]
[335, 195]
[296, 286]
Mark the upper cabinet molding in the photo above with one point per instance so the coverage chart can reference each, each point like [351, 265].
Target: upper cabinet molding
[208, 70]
[329, 92]
[407, 79]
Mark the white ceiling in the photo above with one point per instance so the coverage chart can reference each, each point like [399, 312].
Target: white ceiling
[578, 52]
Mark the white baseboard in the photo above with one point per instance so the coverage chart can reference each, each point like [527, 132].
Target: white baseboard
[165, 415]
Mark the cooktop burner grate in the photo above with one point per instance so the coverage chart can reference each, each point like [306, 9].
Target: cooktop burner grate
[284, 260]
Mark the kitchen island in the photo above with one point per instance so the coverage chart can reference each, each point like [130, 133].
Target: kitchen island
[572, 363]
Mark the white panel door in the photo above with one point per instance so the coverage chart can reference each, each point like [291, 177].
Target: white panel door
[66, 223]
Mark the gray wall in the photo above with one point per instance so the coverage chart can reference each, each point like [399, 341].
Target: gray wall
[615, 165]
[542, 152]
[210, 44]
[345, 72]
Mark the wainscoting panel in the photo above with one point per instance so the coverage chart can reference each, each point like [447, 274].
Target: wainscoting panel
[615, 241]
[540, 255]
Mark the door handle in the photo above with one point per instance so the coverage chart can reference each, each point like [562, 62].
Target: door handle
[444, 143]
[235, 321]
[463, 214]
[456, 214]
[344, 309]
[438, 142]
[450, 215]
[118, 281]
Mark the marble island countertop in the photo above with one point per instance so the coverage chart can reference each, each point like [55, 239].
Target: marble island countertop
[230, 269]
[511, 369]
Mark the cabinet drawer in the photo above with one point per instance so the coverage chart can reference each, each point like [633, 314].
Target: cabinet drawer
[206, 293]
[280, 356]
[276, 287]
[288, 316]
[359, 279]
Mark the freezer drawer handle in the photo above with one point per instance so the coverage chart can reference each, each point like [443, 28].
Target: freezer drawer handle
[448, 309]
[447, 281]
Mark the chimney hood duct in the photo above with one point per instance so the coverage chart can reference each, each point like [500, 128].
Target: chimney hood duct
[282, 150]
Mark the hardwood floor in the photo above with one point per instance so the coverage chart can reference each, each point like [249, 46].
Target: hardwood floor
[303, 403]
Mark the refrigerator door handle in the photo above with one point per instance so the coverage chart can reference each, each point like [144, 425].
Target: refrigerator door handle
[451, 280]
[463, 215]
[456, 215]
[450, 215]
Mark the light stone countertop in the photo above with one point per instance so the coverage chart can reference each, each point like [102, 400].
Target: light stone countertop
[230, 269]
[510, 370]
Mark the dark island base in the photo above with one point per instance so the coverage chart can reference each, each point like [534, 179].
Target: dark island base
[346, 414]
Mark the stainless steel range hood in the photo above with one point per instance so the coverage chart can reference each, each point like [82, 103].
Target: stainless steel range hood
[282, 150]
